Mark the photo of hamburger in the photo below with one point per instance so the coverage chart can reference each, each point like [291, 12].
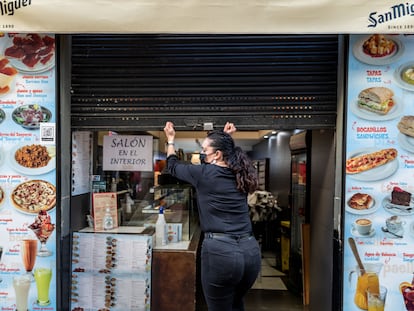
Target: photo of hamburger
[376, 99]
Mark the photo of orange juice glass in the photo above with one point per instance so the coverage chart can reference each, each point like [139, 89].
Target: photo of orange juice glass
[365, 281]
[367, 278]
[42, 277]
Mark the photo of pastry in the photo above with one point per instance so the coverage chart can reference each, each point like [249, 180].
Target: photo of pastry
[361, 203]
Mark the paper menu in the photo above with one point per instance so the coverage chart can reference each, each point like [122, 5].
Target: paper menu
[81, 161]
[88, 253]
[101, 202]
[132, 293]
[88, 290]
[117, 292]
[130, 256]
[111, 271]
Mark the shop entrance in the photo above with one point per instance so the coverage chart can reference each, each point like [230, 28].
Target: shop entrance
[261, 83]
[280, 210]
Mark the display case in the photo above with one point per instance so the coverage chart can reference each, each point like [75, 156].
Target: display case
[178, 201]
[300, 210]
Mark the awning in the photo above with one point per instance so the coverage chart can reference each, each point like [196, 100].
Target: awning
[213, 16]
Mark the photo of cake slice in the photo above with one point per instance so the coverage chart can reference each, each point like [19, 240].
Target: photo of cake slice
[400, 197]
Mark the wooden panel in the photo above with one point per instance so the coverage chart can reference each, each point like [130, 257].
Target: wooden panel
[174, 278]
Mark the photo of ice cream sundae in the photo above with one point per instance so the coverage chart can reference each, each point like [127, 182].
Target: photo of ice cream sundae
[43, 228]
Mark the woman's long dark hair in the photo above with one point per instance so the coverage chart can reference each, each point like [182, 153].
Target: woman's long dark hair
[236, 159]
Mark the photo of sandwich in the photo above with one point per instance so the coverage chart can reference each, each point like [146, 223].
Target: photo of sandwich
[406, 125]
[406, 134]
[376, 99]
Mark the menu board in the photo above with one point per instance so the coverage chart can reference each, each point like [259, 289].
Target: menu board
[111, 271]
[105, 205]
[379, 174]
[81, 162]
[27, 172]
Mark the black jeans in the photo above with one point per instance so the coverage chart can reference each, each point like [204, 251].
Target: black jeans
[229, 268]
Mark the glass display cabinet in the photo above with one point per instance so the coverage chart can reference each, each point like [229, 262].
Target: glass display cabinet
[178, 201]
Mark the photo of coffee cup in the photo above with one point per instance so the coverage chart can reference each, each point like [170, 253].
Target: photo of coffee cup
[394, 224]
[363, 226]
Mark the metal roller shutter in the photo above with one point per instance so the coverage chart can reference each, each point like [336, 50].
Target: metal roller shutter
[258, 81]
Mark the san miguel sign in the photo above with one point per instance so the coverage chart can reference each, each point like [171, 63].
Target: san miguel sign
[200, 16]
[8, 8]
[392, 16]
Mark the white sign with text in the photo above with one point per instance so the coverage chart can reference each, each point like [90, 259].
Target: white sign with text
[127, 153]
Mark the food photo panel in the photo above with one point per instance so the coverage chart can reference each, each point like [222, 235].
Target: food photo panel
[379, 174]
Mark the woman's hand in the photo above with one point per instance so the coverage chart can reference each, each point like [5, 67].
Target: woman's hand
[169, 131]
[229, 128]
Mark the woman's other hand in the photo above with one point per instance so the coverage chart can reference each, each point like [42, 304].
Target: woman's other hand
[229, 128]
[169, 131]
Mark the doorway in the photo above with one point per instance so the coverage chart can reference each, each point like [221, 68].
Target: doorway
[251, 80]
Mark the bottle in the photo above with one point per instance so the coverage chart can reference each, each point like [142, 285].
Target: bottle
[128, 203]
[160, 229]
[108, 221]
[113, 185]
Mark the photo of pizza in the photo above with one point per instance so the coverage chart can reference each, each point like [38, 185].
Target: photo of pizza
[33, 196]
[367, 161]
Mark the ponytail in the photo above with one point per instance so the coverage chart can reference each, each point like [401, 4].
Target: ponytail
[246, 174]
[237, 160]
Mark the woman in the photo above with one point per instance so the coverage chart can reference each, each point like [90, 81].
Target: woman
[230, 255]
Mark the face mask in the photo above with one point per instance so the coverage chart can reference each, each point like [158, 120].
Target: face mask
[203, 158]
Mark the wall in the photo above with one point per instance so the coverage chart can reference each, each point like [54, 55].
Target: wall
[276, 148]
[65, 177]
[322, 219]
